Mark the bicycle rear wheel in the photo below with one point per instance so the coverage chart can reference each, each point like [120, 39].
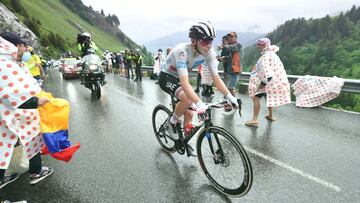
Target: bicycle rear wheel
[159, 116]
[224, 161]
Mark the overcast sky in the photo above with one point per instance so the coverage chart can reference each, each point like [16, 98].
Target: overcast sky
[145, 20]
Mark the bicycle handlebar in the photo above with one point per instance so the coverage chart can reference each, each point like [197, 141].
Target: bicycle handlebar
[221, 104]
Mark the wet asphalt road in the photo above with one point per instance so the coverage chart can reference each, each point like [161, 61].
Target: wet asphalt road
[307, 155]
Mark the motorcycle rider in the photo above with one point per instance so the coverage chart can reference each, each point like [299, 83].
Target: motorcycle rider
[89, 55]
[85, 43]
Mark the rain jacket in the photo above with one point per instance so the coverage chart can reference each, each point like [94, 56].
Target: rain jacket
[269, 76]
[311, 91]
[17, 86]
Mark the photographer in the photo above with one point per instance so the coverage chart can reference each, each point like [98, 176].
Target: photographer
[84, 43]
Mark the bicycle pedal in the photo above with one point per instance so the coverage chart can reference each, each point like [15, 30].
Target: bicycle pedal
[179, 146]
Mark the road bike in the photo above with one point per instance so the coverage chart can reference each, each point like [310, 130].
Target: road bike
[221, 156]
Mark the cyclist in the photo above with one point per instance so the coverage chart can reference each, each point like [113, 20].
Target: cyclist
[174, 78]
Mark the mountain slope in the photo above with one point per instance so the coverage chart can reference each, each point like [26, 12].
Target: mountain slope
[56, 17]
[245, 38]
[57, 23]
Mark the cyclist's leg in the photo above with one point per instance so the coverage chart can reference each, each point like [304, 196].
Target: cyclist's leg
[188, 115]
[182, 108]
[171, 85]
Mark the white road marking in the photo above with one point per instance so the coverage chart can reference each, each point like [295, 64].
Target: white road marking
[277, 162]
[127, 95]
[295, 170]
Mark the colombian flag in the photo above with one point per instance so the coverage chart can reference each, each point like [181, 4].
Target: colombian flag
[54, 124]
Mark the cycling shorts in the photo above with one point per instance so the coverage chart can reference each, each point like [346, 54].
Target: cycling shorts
[170, 84]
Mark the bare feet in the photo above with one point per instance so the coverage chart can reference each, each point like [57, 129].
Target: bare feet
[251, 123]
[270, 118]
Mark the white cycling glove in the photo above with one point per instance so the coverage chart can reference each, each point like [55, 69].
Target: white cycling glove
[201, 110]
[232, 99]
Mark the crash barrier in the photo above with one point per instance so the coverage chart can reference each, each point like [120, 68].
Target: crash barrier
[350, 85]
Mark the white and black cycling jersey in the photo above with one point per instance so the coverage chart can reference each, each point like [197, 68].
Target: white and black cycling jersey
[181, 60]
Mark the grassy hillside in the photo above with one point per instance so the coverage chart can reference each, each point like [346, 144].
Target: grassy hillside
[56, 17]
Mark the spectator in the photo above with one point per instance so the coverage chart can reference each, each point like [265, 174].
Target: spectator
[108, 58]
[16, 104]
[234, 50]
[159, 61]
[225, 57]
[268, 78]
[118, 62]
[128, 64]
[168, 50]
[121, 63]
[35, 67]
[138, 63]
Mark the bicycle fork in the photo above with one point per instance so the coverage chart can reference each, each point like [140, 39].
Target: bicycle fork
[218, 155]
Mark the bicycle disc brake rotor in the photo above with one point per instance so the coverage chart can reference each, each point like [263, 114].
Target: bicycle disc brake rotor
[221, 158]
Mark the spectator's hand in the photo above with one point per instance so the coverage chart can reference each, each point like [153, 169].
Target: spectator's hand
[262, 85]
[221, 58]
[42, 101]
[201, 111]
[232, 99]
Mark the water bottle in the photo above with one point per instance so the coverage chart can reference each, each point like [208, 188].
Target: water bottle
[188, 128]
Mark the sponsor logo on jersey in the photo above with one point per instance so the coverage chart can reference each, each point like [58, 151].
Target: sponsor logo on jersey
[170, 85]
[181, 65]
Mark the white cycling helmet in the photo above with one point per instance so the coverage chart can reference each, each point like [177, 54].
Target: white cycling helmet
[202, 30]
[86, 34]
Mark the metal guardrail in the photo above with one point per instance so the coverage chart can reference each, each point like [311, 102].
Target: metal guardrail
[350, 85]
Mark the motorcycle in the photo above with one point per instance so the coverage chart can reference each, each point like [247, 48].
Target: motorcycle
[92, 75]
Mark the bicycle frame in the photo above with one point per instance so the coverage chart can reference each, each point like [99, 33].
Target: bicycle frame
[205, 124]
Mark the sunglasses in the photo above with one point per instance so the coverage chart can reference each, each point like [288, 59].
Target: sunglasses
[205, 42]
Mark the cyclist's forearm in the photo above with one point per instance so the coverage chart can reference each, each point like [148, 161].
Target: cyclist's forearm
[220, 85]
[185, 85]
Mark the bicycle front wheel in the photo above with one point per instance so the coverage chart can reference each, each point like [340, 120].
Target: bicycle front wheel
[159, 116]
[224, 161]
